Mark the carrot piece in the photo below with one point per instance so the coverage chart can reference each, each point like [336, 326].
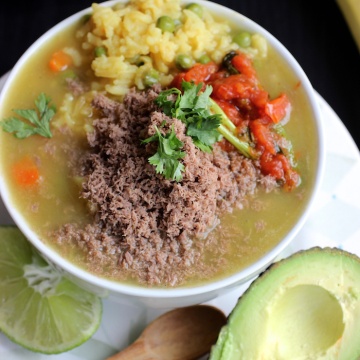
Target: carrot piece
[60, 61]
[26, 172]
[276, 109]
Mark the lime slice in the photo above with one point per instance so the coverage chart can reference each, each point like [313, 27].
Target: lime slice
[39, 309]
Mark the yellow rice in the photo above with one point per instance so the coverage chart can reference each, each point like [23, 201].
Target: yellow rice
[129, 30]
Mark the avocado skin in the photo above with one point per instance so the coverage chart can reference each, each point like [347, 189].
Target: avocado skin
[225, 342]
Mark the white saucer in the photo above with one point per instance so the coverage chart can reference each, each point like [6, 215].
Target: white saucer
[333, 222]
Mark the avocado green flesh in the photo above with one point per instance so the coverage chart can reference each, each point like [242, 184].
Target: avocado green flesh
[305, 307]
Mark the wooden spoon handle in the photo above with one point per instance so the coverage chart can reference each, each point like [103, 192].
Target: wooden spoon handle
[135, 351]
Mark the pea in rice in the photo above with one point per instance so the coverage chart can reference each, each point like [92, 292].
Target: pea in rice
[134, 45]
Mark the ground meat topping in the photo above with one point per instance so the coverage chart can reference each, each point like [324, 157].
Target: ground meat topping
[150, 227]
[76, 86]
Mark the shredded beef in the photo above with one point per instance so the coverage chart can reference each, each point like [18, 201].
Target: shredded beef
[76, 86]
[153, 229]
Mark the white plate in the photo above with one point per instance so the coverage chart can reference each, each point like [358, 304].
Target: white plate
[333, 222]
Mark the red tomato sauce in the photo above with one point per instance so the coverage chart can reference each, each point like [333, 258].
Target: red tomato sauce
[237, 90]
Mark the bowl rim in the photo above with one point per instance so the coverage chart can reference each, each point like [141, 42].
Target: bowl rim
[178, 292]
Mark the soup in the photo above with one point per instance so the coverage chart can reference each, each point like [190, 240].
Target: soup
[50, 178]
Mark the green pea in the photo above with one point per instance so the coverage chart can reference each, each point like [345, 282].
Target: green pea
[204, 59]
[138, 60]
[100, 51]
[243, 39]
[151, 78]
[196, 8]
[86, 18]
[165, 23]
[184, 61]
[68, 74]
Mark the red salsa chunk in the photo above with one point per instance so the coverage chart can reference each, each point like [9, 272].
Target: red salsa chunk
[257, 118]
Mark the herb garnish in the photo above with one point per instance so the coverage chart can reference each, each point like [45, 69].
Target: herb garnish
[166, 159]
[39, 120]
[191, 107]
[206, 123]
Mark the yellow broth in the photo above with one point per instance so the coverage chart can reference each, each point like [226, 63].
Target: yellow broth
[245, 235]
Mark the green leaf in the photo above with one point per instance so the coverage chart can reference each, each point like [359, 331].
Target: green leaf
[164, 103]
[202, 146]
[195, 108]
[166, 159]
[20, 129]
[30, 115]
[190, 96]
[177, 170]
[203, 99]
[204, 130]
[192, 108]
[206, 123]
[39, 120]
[158, 162]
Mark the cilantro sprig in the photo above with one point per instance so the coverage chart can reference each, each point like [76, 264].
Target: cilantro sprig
[192, 107]
[166, 159]
[206, 123]
[38, 120]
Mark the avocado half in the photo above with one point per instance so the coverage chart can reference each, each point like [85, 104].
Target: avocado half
[304, 307]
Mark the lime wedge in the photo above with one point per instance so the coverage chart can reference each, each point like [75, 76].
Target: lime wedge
[39, 309]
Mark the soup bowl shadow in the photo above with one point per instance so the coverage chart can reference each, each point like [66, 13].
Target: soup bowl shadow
[179, 296]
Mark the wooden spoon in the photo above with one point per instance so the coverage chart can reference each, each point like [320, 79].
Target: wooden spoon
[182, 334]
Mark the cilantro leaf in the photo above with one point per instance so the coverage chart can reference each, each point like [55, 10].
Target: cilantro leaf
[203, 99]
[38, 120]
[166, 159]
[187, 100]
[204, 131]
[167, 105]
[202, 116]
[195, 99]
[191, 107]
[20, 129]
[206, 123]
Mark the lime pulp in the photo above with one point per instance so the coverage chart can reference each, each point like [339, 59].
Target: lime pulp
[39, 309]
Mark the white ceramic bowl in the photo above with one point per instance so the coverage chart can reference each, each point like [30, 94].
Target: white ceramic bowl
[177, 296]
